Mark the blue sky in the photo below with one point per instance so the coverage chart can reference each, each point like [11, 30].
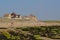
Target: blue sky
[43, 9]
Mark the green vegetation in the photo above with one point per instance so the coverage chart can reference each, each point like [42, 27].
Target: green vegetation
[31, 33]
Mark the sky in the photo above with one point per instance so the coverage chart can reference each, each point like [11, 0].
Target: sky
[42, 9]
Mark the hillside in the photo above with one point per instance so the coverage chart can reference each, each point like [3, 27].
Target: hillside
[15, 29]
[7, 23]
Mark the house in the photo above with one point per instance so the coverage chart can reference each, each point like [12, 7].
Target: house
[33, 17]
[7, 16]
[12, 16]
[30, 17]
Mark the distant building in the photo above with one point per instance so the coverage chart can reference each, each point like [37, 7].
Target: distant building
[12, 15]
[30, 17]
[7, 16]
[15, 16]
[33, 17]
